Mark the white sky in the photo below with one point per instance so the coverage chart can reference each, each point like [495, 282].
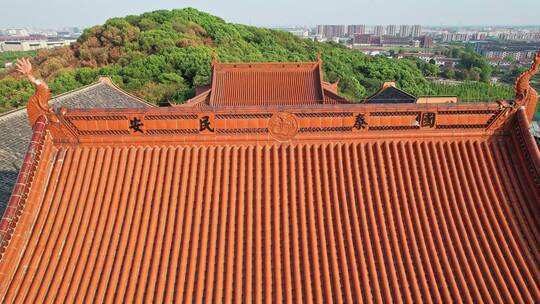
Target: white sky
[59, 13]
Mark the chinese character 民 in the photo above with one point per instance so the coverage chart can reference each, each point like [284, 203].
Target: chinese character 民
[136, 125]
[360, 122]
[205, 124]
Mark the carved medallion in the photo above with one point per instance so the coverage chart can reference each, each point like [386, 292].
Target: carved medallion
[283, 126]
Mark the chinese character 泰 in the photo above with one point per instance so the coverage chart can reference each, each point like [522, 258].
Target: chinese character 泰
[136, 125]
[360, 122]
[205, 124]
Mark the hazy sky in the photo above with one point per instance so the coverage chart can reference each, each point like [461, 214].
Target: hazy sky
[59, 13]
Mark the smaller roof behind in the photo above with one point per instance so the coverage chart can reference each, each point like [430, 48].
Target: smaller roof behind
[15, 133]
[266, 83]
[389, 93]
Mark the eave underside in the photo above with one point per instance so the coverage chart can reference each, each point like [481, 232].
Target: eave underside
[430, 219]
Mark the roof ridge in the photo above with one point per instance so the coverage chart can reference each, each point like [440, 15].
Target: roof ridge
[267, 62]
[242, 82]
[53, 99]
[385, 87]
[85, 87]
[18, 198]
[106, 80]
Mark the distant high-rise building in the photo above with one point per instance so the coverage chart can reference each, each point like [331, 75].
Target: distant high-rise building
[416, 30]
[298, 32]
[456, 37]
[404, 30]
[391, 30]
[356, 29]
[320, 29]
[479, 36]
[426, 41]
[378, 30]
[339, 30]
[516, 36]
[331, 31]
[366, 39]
[387, 40]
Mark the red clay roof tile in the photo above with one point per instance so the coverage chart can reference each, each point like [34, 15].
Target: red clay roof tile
[268, 83]
[318, 203]
[372, 220]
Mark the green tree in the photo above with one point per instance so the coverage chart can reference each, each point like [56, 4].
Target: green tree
[511, 76]
[162, 55]
[509, 59]
[449, 74]
[65, 81]
[86, 76]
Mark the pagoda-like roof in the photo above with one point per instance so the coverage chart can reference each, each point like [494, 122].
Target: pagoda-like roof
[280, 203]
[267, 84]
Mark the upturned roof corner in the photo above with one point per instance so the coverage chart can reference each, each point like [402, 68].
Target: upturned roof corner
[38, 104]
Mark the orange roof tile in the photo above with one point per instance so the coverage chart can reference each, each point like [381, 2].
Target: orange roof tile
[345, 203]
[352, 219]
[268, 83]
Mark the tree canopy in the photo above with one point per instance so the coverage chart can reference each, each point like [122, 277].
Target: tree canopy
[472, 66]
[162, 55]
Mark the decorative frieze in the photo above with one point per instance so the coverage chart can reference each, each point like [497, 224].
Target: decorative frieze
[282, 126]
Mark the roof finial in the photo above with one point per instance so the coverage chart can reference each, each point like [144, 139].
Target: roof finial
[319, 57]
[525, 95]
[105, 80]
[38, 104]
[388, 84]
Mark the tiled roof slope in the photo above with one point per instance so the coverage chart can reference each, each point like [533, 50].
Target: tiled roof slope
[447, 212]
[266, 84]
[389, 93]
[15, 133]
[313, 203]
[271, 83]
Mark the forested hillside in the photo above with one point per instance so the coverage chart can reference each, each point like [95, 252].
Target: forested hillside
[163, 55]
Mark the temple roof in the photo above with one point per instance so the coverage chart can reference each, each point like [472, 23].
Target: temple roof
[389, 93]
[296, 203]
[15, 133]
[267, 83]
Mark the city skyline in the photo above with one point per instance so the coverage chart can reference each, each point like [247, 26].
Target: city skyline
[62, 13]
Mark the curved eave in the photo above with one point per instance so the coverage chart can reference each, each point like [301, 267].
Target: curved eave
[527, 144]
[24, 182]
[108, 81]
